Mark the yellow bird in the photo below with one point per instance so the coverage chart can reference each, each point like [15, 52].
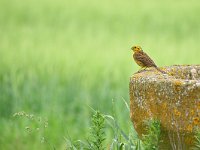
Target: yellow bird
[142, 59]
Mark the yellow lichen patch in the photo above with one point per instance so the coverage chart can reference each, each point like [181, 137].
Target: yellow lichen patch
[189, 140]
[198, 105]
[172, 72]
[164, 105]
[177, 113]
[178, 83]
[192, 112]
[189, 128]
[196, 120]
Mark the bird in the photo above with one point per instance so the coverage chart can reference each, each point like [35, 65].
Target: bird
[143, 60]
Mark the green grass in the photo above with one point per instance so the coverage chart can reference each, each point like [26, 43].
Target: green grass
[60, 57]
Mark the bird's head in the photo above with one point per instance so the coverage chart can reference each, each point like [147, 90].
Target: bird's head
[136, 48]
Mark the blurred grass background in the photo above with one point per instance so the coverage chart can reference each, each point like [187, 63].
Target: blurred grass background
[60, 56]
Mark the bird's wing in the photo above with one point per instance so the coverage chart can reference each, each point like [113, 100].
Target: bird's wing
[145, 59]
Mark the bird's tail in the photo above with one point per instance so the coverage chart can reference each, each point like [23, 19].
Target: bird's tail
[161, 70]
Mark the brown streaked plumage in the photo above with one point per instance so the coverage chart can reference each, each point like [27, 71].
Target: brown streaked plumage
[142, 59]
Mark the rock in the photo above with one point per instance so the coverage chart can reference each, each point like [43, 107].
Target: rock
[172, 98]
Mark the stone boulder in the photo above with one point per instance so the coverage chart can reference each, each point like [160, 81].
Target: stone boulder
[172, 98]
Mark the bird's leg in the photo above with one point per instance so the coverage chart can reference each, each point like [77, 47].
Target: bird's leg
[142, 69]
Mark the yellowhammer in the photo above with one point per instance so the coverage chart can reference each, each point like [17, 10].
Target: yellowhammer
[142, 59]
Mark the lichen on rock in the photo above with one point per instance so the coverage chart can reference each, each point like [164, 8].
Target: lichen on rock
[172, 98]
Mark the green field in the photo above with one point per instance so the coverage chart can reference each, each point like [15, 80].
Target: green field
[58, 58]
